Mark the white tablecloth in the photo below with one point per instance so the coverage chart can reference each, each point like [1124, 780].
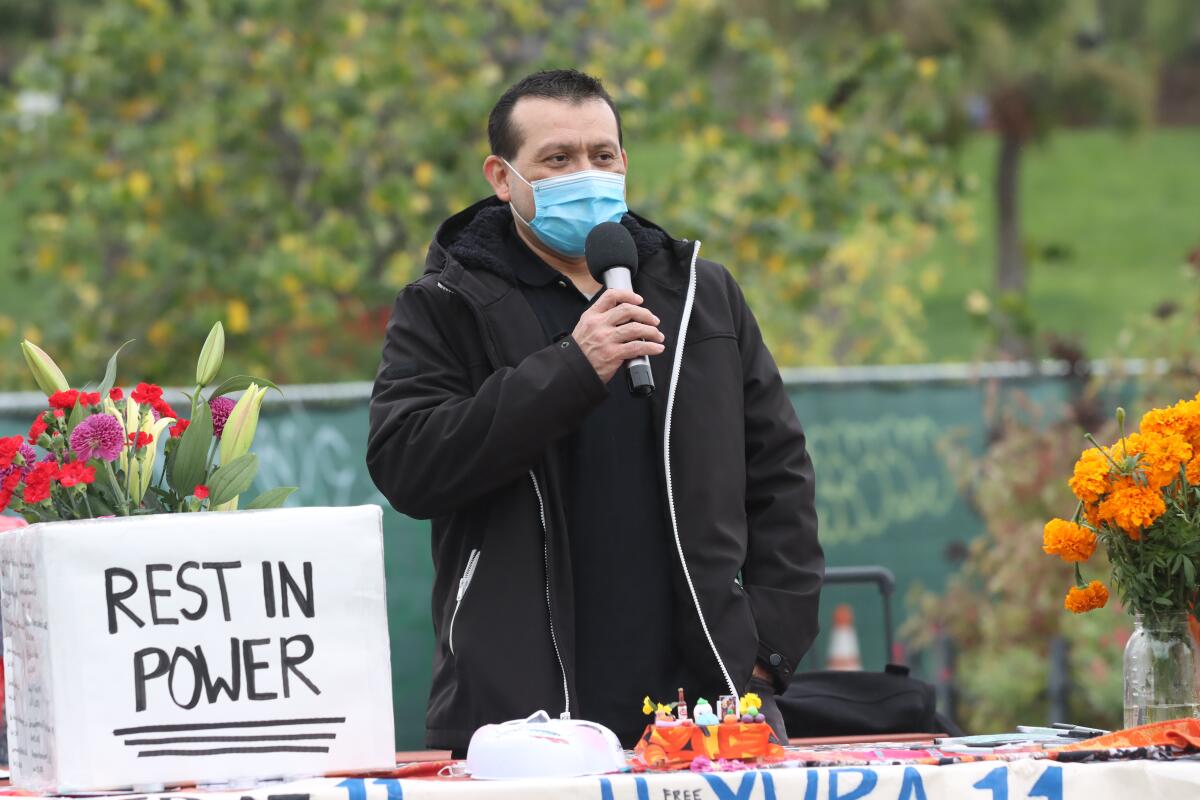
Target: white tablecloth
[1016, 780]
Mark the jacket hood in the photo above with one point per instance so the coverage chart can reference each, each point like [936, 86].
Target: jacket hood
[475, 238]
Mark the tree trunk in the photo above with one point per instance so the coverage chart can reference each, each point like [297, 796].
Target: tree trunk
[1010, 261]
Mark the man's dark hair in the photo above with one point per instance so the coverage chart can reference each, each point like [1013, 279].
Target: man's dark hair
[553, 84]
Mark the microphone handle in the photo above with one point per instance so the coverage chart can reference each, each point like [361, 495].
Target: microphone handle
[638, 374]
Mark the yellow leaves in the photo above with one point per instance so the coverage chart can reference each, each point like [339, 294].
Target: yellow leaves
[356, 24]
[291, 285]
[137, 270]
[160, 333]
[291, 243]
[635, 87]
[977, 303]
[88, 295]
[711, 136]
[927, 68]
[419, 203]
[822, 120]
[46, 258]
[137, 109]
[345, 70]
[929, 279]
[154, 7]
[297, 117]
[778, 127]
[423, 174]
[138, 184]
[237, 313]
[655, 58]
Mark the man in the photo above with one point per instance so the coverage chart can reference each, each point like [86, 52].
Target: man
[590, 547]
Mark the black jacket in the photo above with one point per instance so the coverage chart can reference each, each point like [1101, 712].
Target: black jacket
[469, 400]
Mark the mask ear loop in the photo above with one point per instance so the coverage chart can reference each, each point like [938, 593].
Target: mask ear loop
[455, 770]
[513, 208]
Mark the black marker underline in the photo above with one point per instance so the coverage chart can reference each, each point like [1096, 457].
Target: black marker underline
[263, 738]
[233, 751]
[200, 726]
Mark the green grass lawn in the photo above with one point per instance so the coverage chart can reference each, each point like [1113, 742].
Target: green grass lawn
[1125, 211]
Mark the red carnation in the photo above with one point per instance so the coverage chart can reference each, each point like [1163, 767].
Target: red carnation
[201, 491]
[89, 398]
[37, 483]
[140, 439]
[37, 428]
[76, 472]
[65, 399]
[9, 447]
[59, 414]
[178, 428]
[146, 393]
[162, 409]
[115, 394]
[7, 488]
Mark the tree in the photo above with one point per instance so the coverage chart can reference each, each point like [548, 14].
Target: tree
[282, 164]
[1039, 65]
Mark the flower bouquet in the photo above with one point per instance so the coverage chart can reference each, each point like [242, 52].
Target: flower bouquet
[1140, 497]
[96, 453]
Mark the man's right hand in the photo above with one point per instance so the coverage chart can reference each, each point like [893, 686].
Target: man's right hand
[615, 329]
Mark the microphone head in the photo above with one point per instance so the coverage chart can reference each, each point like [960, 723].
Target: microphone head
[610, 245]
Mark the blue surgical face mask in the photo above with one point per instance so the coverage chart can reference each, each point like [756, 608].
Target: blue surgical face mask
[567, 207]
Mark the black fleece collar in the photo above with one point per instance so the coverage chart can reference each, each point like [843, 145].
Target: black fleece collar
[475, 237]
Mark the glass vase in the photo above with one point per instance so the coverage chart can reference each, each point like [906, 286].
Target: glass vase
[1161, 662]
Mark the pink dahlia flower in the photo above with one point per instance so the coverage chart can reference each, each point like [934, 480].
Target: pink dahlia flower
[98, 436]
[220, 407]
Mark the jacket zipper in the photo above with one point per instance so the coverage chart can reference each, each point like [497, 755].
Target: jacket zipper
[463, 583]
[549, 606]
[566, 714]
[680, 340]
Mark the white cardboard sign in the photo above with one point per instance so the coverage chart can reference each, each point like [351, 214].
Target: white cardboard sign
[196, 647]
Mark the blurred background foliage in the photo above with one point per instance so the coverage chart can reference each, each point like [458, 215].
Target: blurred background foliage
[282, 165]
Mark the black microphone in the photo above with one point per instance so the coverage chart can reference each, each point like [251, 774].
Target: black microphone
[613, 260]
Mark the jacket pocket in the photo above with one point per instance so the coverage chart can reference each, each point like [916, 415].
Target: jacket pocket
[463, 583]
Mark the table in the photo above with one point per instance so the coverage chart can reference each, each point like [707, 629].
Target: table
[1015, 780]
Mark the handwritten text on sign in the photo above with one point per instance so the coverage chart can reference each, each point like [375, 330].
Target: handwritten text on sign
[169, 594]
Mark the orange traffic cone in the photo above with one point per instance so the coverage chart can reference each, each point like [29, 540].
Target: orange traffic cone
[843, 641]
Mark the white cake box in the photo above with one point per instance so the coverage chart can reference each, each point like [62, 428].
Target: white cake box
[202, 647]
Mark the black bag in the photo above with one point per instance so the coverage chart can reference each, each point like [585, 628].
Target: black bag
[844, 703]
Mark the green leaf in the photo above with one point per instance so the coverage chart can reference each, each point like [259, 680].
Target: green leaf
[272, 498]
[110, 373]
[189, 467]
[239, 382]
[1189, 570]
[76, 417]
[231, 479]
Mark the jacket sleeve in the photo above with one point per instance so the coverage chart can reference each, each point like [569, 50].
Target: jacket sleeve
[436, 443]
[785, 565]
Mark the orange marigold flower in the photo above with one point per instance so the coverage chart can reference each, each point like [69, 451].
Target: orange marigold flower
[1086, 598]
[1068, 541]
[1132, 507]
[1160, 456]
[1181, 419]
[1091, 480]
[1193, 470]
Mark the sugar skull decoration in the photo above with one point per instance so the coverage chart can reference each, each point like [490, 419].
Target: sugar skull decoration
[703, 713]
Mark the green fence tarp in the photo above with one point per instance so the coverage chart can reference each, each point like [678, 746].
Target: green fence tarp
[884, 496]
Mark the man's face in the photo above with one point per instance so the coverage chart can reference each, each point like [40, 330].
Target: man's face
[557, 138]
